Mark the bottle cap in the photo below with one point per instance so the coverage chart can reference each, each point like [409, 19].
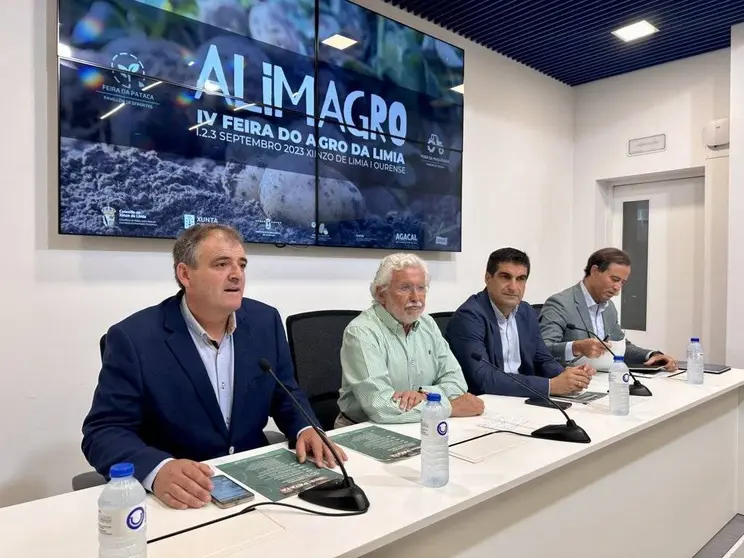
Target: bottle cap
[433, 397]
[618, 358]
[695, 339]
[121, 470]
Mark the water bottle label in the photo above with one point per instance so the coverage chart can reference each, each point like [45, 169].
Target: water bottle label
[442, 429]
[118, 523]
[424, 429]
[621, 377]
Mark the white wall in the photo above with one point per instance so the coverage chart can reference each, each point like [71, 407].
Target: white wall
[677, 99]
[61, 293]
[735, 314]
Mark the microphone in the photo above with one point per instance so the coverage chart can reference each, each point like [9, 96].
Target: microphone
[637, 389]
[338, 494]
[569, 432]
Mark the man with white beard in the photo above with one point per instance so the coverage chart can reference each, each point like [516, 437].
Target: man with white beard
[393, 354]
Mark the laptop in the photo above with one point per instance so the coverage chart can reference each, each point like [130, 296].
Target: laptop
[707, 368]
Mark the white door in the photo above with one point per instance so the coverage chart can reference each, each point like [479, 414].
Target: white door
[675, 232]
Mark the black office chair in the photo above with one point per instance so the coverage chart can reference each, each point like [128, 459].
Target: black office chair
[315, 343]
[87, 480]
[442, 319]
[537, 308]
[91, 478]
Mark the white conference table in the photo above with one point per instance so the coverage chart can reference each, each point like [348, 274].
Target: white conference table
[657, 483]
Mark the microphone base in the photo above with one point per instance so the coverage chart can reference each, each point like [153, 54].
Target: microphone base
[337, 494]
[569, 432]
[639, 390]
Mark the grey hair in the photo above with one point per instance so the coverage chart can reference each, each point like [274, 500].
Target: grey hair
[395, 262]
[188, 242]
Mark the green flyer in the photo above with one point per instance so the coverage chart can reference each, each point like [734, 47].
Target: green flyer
[277, 474]
[379, 443]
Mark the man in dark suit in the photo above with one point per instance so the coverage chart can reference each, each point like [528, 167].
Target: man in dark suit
[181, 383]
[495, 324]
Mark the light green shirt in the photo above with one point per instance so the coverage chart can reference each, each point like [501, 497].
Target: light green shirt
[378, 359]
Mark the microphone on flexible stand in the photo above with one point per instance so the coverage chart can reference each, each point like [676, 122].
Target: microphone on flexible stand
[569, 432]
[637, 389]
[338, 494]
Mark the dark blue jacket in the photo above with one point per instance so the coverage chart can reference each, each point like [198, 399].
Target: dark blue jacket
[154, 399]
[474, 329]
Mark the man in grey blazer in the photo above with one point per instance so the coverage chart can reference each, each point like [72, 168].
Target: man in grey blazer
[588, 305]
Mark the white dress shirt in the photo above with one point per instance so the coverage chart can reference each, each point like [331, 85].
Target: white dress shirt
[509, 339]
[596, 309]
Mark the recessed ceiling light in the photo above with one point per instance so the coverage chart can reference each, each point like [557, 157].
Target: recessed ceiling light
[459, 89]
[339, 41]
[191, 63]
[635, 31]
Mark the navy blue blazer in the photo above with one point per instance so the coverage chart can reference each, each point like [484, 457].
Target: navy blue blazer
[154, 399]
[473, 329]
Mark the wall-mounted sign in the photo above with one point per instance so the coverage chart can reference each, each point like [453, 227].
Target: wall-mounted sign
[649, 144]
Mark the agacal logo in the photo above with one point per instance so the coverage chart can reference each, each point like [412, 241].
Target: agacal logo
[406, 237]
[128, 63]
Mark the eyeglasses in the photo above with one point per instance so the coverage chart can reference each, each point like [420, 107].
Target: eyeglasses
[408, 289]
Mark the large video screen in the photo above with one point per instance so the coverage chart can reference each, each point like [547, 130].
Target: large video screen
[296, 121]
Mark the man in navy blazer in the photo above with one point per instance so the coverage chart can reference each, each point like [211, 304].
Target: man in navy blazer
[496, 325]
[181, 382]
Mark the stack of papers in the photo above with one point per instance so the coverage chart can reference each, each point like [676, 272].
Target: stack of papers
[501, 422]
[479, 449]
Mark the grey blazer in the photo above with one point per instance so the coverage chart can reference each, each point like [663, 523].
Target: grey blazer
[569, 307]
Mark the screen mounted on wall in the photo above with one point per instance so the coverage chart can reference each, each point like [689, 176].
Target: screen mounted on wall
[296, 121]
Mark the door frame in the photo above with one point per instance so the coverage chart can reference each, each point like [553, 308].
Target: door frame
[607, 190]
[674, 309]
[715, 255]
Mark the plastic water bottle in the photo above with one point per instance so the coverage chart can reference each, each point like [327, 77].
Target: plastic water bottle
[434, 443]
[122, 515]
[695, 362]
[619, 387]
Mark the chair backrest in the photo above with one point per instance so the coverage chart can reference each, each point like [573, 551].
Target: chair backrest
[442, 319]
[315, 344]
[537, 308]
[87, 480]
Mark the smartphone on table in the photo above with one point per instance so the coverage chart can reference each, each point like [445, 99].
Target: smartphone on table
[227, 493]
[539, 402]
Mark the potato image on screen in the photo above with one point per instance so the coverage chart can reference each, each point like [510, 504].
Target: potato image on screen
[290, 197]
